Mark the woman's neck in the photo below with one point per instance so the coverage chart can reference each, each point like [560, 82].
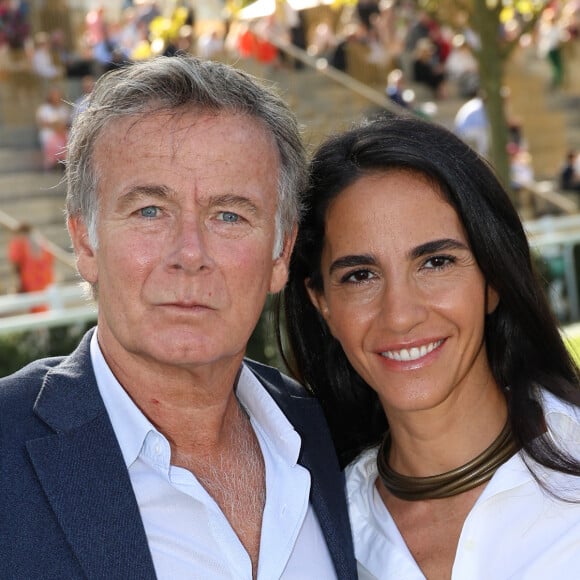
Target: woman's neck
[434, 441]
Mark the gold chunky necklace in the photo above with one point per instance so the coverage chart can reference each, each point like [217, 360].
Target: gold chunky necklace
[454, 482]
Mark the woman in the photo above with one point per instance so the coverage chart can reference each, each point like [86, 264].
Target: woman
[414, 314]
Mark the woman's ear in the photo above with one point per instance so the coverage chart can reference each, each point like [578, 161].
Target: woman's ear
[318, 301]
[491, 298]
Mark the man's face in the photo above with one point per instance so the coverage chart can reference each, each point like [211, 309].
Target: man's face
[186, 230]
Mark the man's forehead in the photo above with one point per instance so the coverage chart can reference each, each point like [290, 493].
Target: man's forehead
[184, 121]
[217, 154]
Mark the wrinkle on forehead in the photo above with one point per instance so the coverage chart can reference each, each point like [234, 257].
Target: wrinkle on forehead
[207, 149]
[184, 123]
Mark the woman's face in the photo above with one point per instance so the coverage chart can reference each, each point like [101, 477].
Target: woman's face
[403, 293]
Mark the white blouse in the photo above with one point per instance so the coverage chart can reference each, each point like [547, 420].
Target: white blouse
[515, 530]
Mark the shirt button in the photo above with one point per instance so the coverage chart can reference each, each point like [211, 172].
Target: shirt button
[157, 449]
[283, 510]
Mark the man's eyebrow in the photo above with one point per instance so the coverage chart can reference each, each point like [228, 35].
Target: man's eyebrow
[141, 192]
[436, 246]
[352, 261]
[232, 200]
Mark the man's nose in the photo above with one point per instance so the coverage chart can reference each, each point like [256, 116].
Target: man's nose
[189, 250]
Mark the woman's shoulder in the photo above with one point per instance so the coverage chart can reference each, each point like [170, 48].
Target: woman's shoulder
[562, 419]
[553, 403]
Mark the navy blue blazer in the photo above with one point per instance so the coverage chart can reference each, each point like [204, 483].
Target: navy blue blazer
[67, 508]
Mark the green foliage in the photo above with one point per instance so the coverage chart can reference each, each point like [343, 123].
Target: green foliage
[262, 345]
[18, 349]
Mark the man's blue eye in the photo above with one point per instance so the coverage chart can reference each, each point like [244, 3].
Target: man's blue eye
[231, 217]
[150, 211]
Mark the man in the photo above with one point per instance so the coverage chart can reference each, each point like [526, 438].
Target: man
[155, 450]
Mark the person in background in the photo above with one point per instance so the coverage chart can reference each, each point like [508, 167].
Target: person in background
[395, 89]
[53, 118]
[462, 68]
[82, 102]
[156, 450]
[551, 37]
[43, 64]
[33, 263]
[569, 178]
[210, 44]
[415, 315]
[427, 69]
[471, 123]
[109, 53]
[521, 169]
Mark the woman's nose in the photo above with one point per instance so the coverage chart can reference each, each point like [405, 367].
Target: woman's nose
[403, 305]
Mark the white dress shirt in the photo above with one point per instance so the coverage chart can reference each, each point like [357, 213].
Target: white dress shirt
[188, 535]
[514, 531]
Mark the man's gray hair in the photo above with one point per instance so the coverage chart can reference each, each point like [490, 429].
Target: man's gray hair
[179, 83]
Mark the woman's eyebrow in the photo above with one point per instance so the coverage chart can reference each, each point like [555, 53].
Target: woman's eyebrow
[352, 261]
[436, 246]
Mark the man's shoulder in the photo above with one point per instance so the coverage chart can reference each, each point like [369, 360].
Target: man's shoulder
[33, 372]
[19, 394]
[24, 385]
[27, 382]
[300, 406]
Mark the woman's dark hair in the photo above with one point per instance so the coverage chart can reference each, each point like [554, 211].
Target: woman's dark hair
[523, 343]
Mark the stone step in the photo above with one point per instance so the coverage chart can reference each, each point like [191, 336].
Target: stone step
[24, 185]
[18, 137]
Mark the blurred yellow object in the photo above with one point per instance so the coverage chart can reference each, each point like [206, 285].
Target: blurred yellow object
[572, 339]
[142, 51]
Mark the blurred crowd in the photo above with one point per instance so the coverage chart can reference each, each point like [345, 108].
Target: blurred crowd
[407, 45]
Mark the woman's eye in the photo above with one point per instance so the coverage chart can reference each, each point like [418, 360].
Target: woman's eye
[439, 262]
[358, 276]
[229, 217]
[150, 211]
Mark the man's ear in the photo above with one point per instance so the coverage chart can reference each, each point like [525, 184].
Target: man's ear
[84, 252]
[492, 299]
[282, 263]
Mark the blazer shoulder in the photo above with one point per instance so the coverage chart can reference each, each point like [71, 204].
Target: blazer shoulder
[28, 377]
[18, 395]
[21, 392]
[276, 377]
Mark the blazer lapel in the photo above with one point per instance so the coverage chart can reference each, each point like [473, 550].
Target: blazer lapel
[83, 474]
[317, 455]
[328, 487]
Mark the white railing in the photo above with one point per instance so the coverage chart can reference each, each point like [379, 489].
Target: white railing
[546, 193]
[66, 305]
